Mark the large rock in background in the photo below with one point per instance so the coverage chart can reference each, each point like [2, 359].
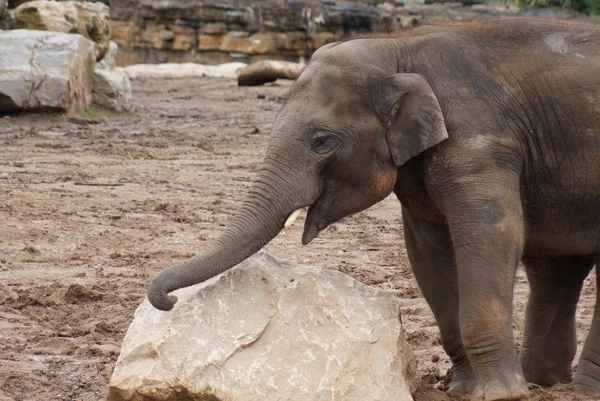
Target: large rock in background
[269, 330]
[45, 71]
[85, 18]
[109, 61]
[184, 70]
[268, 71]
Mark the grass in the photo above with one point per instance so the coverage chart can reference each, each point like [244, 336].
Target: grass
[97, 111]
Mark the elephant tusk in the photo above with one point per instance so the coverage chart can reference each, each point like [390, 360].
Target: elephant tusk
[290, 220]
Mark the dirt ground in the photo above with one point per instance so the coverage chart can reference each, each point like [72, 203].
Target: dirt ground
[91, 207]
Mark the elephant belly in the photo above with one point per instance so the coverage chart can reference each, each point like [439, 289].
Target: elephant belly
[561, 232]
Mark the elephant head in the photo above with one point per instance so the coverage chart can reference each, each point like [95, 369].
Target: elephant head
[349, 121]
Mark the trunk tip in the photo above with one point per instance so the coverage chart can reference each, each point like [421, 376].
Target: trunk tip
[159, 298]
[164, 303]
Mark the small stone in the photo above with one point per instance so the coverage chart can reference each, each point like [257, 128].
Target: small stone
[112, 89]
[260, 95]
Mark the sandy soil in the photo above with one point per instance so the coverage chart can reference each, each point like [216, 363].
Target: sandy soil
[91, 208]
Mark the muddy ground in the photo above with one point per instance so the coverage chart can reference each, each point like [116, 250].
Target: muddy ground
[91, 207]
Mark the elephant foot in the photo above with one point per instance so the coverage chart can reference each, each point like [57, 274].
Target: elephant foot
[587, 379]
[502, 387]
[587, 375]
[461, 386]
[546, 376]
[463, 381]
[589, 388]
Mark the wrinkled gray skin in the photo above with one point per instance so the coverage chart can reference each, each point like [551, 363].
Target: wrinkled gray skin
[489, 135]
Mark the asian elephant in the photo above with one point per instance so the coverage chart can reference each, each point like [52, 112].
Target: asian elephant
[489, 135]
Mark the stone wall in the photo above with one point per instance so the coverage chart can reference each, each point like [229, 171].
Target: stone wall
[210, 32]
[179, 30]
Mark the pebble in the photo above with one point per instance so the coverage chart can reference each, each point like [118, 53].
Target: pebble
[260, 95]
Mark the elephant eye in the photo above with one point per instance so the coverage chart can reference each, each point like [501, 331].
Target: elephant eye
[324, 142]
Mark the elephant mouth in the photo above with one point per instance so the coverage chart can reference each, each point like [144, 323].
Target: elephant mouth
[310, 232]
[316, 219]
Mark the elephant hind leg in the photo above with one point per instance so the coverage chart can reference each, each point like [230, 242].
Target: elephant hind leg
[550, 341]
[587, 375]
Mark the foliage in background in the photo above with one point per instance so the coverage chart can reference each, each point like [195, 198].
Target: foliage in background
[539, 3]
[589, 7]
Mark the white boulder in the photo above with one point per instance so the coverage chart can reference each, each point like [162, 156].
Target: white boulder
[45, 71]
[112, 89]
[109, 61]
[183, 70]
[89, 19]
[269, 330]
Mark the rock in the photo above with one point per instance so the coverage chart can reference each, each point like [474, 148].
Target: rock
[218, 28]
[244, 27]
[45, 71]
[234, 42]
[109, 61]
[125, 33]
[183, 38]
[156, 36]
[85, 18]
[184, 70]
[3, 5]
[112, 89]
[261, 43]
[265, 71]
[265, 330]
[209, 42]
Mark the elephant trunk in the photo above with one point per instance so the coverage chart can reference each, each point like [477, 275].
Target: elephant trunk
[273, 196]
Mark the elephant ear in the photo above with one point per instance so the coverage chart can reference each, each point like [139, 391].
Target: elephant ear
[414, 117]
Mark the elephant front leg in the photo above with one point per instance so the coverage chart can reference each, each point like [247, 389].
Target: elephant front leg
[487, 231]
[550, 341]
[431, 256]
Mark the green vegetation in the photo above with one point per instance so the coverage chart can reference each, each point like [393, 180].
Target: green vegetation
[539, 3]
[589, 7]
[29, 18]
[94, 112]
[97, 111]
